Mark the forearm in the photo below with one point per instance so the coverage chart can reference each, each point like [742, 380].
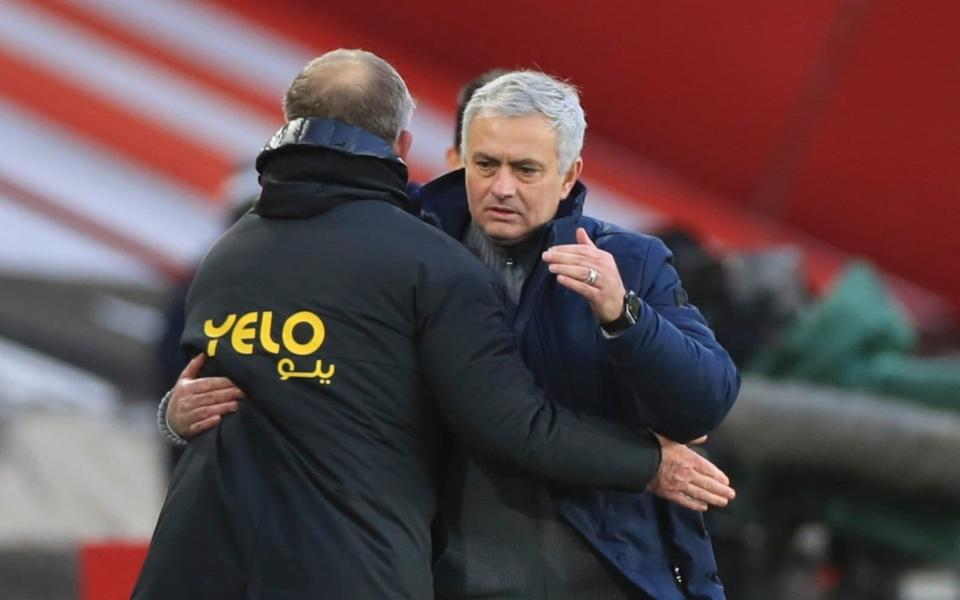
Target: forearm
[684, 379]
[497, 410]
[581, 450]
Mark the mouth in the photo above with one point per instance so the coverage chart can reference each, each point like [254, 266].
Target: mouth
[501, 212]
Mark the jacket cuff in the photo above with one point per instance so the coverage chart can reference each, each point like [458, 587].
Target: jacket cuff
[658, 459]
[622, 346]
[167, 432]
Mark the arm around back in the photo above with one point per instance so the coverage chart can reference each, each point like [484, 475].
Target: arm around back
[490, 399]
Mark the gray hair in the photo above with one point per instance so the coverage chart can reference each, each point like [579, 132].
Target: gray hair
[353, 86]
[521, 93]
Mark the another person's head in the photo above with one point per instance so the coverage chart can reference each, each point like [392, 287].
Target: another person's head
[522, 137]
[452, 155]
[356, 87]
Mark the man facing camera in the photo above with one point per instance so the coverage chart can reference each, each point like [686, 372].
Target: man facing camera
[603, 323]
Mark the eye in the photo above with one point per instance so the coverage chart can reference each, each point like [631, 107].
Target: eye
[483, 164]
[527, 172]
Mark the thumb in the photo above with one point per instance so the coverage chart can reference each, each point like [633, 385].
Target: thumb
[697, 441]
[192, 370]
[583, 238]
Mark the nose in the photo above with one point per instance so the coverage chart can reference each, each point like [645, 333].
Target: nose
[504, 184]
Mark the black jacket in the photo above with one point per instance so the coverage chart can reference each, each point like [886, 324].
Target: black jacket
[358, 334]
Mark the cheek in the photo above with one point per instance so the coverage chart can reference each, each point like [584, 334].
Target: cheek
[475, 195]
[540, 204]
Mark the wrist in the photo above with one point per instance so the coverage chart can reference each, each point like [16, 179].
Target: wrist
[627, 317]
[163, 423]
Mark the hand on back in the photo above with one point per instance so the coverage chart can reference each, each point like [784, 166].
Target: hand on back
[689, 479]
[198, 404]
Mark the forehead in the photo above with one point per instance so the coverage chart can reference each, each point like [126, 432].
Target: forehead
[513, 138]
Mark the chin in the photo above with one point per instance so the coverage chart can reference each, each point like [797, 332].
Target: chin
[505, 236]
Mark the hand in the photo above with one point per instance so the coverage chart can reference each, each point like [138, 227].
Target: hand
[571, 263]
[689, 479]
[196, 405]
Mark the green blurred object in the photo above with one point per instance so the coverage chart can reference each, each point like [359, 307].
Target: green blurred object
[858, 337]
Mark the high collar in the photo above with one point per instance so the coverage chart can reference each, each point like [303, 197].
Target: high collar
[313, 165]
[445, 198]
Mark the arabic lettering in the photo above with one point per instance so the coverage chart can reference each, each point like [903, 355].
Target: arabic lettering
[286, 368]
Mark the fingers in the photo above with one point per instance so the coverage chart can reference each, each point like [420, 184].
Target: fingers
[192, 370]
[209, 398]
[188, 423]
[698, 494]
[201, 426]
[699, 440]
[207, 384]
[710, 491]
[205, 412]
[686, 501]
[573, 255]
[589, 292]
[709, 469]
[573, 272]
[583, 238]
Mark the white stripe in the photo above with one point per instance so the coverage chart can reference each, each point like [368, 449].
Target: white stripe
[606, 205]
[87, 179]
[432, 135]
[29, 377]
[154, 92]
[33, 245]
[218, 39]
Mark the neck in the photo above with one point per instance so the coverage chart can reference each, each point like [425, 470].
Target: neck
[513, 263]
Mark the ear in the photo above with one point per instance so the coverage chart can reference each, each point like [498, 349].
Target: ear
[402, 147]
[571, 176]
[453, 158]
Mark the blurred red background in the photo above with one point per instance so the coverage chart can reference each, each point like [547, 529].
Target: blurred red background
[838, 117]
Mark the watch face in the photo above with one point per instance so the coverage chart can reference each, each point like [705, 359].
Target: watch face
[633, 307]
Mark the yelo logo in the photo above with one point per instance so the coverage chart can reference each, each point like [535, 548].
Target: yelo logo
[249, 328]
[245, 331]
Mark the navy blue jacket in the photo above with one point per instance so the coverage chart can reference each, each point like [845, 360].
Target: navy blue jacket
[666, 373]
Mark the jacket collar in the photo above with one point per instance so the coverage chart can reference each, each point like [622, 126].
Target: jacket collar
[313, 165]
[445, 200]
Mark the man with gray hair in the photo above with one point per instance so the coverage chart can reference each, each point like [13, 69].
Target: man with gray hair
[603, 322]
[356, 331]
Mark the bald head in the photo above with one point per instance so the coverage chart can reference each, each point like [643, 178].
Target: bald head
[353, 86]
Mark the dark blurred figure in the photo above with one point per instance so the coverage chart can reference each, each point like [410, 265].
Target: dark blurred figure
[748, 298]
[454, 160]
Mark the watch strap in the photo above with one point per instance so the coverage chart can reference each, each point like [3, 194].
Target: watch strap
[627, 318]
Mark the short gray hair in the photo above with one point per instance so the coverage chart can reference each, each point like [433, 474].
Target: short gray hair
[353, 86]
[521, 93]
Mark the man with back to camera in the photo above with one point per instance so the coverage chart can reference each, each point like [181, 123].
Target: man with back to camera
[328, 305]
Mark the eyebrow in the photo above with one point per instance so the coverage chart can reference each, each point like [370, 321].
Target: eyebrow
[486, 157]
[523, 162]
[526, 162]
